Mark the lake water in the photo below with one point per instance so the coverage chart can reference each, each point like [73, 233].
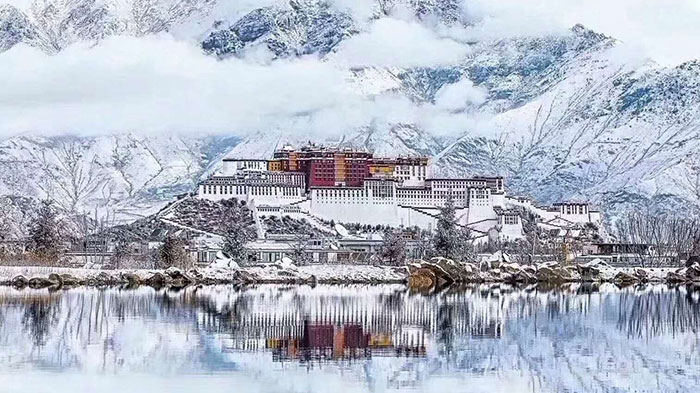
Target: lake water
[350, 339]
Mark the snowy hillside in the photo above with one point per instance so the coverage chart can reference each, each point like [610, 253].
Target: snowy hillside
[53, 25]
[129, 175]
[571, 115]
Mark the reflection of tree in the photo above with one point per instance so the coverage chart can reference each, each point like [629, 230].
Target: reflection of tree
[656, 313]
[445, 327]
[39, 318]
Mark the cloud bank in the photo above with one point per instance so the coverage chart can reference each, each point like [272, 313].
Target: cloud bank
[158, 84]
[666, 30]
[393, 42]
[162, 84]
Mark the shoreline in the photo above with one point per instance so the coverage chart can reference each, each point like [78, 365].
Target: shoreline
[420, 275]
[58, 277]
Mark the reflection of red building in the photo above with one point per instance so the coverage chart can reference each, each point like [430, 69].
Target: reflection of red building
[318, 336]
[325, 342]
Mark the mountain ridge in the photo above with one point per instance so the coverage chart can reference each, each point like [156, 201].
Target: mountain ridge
[563, 116]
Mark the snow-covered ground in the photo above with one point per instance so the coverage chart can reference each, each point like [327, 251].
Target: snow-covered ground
[219, 274]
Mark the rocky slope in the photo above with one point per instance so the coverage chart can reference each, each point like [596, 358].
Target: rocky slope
[564, 116]
[53, 25]
[127, 175]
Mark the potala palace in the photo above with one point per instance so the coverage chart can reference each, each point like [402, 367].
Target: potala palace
[353, 186]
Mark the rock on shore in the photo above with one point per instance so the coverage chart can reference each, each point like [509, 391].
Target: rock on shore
[419, 274]
[441, 271]
[283, 272]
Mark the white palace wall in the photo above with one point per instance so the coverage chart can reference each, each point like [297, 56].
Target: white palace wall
[262, 194]
[377, 202]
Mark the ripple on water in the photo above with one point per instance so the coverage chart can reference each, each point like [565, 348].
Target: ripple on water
[274, 338]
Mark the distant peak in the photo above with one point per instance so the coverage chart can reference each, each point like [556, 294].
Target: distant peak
[585, 32]
[690, 65]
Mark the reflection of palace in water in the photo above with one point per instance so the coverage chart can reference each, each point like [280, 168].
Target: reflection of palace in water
[348, 341]
[379, 337]
[351, 326]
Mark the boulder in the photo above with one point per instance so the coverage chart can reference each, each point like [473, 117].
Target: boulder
[457, 271]
[493, 275]
[692, 273]
[589, 271]
[508, 278]
[40, 282]
[131, 278]
[553, 272]
[547, 274]
[530, 269]
[196, 276]
[693, 259]
[524, 276]
[19, 281]
[641, 274]
[570, 273]
[69, 280]
[625, 278]
[422, 279]
[179, 278]
[550, 265]
[244, 276]
[497, 258]
[510, 268]
[442, 276]
[676, 277]
[286, 263]
[313, 280]
[158, 280]
[56, 279]
[105, 278]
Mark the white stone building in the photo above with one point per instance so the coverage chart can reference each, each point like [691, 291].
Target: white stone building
[568, 218]
[406, 199]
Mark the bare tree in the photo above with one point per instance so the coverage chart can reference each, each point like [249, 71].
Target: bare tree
[173, 254]
[120, 254]
[299, 250]
[46, 237]
[393, 250]
[237, 231]
[658, 239]
[4, 224]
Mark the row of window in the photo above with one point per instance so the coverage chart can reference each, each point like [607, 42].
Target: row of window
[576, 209]
[511, 220]
[243, 190]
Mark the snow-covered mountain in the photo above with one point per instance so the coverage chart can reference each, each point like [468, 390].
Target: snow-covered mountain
[129, 175]
[53, 25]
[562, 116]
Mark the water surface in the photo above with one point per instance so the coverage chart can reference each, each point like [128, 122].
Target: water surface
[350, 339]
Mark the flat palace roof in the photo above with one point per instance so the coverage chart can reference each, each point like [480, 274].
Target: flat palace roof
[245, 159]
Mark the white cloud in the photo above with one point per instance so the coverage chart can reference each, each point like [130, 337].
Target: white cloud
[666, 30]
[157, 84]
[24, 4]
[361, 10]
[458, 95]
[160, 85]
[399, 43]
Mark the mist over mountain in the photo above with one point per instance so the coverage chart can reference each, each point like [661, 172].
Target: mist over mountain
[153, 93]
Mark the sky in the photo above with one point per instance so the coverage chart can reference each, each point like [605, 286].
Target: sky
[165, 83]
